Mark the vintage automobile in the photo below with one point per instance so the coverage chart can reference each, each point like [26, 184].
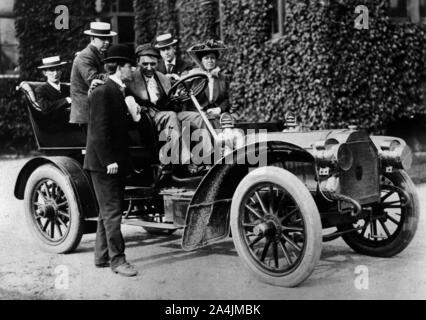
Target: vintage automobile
[315, 186]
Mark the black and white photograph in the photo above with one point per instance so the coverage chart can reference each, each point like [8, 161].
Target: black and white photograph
[204, 150]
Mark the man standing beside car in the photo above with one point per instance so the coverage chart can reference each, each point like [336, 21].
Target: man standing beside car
[87, 70]
[107, 158]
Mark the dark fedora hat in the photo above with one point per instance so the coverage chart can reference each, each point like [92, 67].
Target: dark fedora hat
[146, 49]
[51, 62]
[100, 29]
[119, 52]
[164, 40]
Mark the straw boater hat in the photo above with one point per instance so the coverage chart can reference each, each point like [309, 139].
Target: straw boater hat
[51, 62]
[196, 52]
[100, 29]
[164, 40]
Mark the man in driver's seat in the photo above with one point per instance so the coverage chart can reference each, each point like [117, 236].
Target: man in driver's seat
[150, 90]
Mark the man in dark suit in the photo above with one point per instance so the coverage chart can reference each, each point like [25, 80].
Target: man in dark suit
[107, 158]
[170, 65]
[53, 97]
[150, 89]
[87, 70]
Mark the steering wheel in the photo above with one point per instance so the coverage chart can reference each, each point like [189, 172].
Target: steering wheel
[179, 92]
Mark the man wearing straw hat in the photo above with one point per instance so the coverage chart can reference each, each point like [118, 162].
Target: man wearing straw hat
[87, 70]
[171, 65]
[53, 98]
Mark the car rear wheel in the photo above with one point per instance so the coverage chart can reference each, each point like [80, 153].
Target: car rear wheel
[392, 223]
[51, 210]
[276, 227]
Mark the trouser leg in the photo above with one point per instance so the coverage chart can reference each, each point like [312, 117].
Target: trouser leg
[109, 190]
[202, 149]
[169, 128]
[101, 245]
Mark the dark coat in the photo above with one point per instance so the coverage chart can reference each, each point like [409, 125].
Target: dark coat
[178, 68]
[54, 107]
[87, 66]
[220, 94]
[138, 89]
[107, 136]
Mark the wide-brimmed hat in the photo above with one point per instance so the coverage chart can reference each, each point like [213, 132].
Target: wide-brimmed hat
[164, 40]
[196, 52]
[51, 62]
[119, 52]
[147, 49]
[100, 29]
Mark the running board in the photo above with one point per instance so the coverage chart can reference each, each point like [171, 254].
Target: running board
[158, 225]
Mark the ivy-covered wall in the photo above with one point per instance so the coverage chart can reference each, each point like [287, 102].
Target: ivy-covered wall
[154, 17]
[326, 71]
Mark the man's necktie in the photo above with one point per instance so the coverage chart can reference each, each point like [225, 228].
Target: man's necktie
[169, 68]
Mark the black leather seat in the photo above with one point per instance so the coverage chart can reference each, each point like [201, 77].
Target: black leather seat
[143, 147]
[69, 136]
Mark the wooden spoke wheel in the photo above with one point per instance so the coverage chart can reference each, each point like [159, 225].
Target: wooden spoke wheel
[392, 222]
[276, 226]
[51, 210]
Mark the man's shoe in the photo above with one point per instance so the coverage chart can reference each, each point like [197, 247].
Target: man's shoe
[102, 265]
[126, 269]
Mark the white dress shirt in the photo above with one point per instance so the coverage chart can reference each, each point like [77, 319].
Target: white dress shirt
[153, 90]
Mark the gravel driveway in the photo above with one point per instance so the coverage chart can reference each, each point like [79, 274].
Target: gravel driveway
[168, 272]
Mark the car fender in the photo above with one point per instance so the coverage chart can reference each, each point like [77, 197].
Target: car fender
[207, 218]
[70, 167]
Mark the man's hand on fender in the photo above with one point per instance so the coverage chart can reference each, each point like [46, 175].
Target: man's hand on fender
[112, 168]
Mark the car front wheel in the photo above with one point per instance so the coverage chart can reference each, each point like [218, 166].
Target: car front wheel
[276, 226]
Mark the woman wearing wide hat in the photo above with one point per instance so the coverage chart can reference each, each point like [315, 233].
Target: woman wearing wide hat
[214, 99]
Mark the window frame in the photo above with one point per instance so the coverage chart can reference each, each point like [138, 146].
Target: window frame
[281, 19]
[112, 13]
[11, 16]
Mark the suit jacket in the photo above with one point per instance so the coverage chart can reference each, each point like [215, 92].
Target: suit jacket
[220, 94]
[54, 107]
[138, 89]
[87, 66]
[107, 135]
[178, 68]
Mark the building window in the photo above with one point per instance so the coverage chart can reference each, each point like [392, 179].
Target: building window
[277, 18]
[398, 9]
[121, 15]
[423, 9]
[9, 53]
[217, 12]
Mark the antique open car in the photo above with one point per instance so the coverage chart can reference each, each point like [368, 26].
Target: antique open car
[313, 186]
